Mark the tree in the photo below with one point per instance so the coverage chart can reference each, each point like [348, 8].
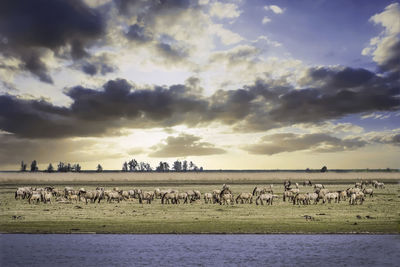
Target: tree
[193, 167]
[99, 168]
[162, 167]
[125, 167]
[133, 164]
[185, 165]
[148, 167]
[23, 166]
[177, 166]
[60, 167]
[50, 168]
[34, 166]
[76, 167]
[324, 169]
[166, 166]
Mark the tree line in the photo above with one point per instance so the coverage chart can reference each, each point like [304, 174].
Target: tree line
[128, 166]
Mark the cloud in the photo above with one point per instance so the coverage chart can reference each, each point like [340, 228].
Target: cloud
[138, 33]
[184, 145]
[13, 150]
[330, 93]
[236, 55]
[227, 37]
[385, 48]
[30, 29]
[385, 137]
[94, 112]
[222, 11]
[97, 64]
[274, 8]
[290, 142]
[265, 20]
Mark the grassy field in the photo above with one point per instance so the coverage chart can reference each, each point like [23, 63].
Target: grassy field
[168, 178]
[380, 214]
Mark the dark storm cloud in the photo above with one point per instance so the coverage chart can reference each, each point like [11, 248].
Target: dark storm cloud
[93, 68]
[258, 107]
[339, 93]
[184, 145]
[290, 142]
[28, 28]
[148, 8]
[94, 112]
[333, 79]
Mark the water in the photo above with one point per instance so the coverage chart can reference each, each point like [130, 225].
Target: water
[199, 250]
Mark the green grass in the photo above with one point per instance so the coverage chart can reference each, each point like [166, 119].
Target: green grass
[17, 216]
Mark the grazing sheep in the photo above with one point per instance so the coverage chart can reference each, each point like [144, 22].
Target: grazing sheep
[148, 196]
[197, 195]
[263, 190]
[208, 198]
[35, 196]
[168, 198]
[216, 196]
[300, 198]
[286, 184]
[226, 199]
[47, 197]
[368, 191]
[351, 191]
[244, 198]
[124, 194]
[157, 193]
[312, 196]
[331, 196]
[68, 190]
[268, 198]
[72, 197]
[183, 196]
[114, 196]
[342, 195]
[359, 196]
[318, 186]
[20, 194]
[295, 191]
[288, 195]
[87, 195]
[321, 193]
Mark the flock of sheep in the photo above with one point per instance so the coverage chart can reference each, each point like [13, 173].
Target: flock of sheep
[356, 194]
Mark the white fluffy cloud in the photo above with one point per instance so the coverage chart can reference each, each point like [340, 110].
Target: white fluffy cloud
[385, 48]
[222, 11]
[265, 20]
[274, 8]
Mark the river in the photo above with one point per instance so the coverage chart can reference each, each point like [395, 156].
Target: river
[199, 250]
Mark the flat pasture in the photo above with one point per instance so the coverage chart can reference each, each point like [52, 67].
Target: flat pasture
[378, 214]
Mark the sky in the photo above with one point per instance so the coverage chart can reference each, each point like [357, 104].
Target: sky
[226, 84]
